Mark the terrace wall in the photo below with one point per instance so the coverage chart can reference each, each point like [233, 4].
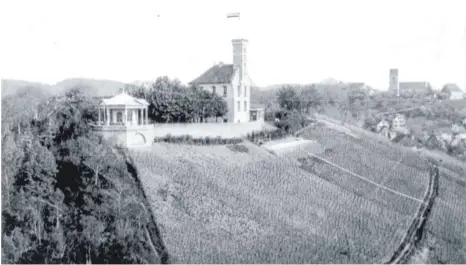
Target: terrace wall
[144, 135]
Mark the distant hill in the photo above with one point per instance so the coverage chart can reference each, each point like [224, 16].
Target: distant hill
[90, 87]
[12, 86]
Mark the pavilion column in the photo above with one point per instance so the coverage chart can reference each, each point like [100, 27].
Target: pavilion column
[147, 120]
[125, 119]
[99, 116]
[108, 115]
[139, 117]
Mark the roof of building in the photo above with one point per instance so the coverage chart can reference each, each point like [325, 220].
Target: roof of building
[257, 106]
[356, 85]
[124, 99]
[414, 85]
[217, 74]
[451, 87]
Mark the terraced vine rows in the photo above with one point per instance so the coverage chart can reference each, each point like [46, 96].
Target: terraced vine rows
[445, 232]
[394, 168]
[229, 207]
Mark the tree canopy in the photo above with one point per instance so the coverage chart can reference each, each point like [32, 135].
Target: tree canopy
[171, 101]
[67, 196]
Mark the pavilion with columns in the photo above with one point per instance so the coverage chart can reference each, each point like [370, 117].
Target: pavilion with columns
[123, 110]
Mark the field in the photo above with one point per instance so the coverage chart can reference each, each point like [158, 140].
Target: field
[215, 205]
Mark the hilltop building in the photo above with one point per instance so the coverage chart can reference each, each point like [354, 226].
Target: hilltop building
[407, 88]
[232, 82]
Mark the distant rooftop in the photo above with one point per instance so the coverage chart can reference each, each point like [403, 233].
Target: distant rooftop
[451, 87]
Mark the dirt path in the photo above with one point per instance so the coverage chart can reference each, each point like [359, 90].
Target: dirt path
[415, 231]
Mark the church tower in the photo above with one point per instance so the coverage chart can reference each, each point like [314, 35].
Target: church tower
[394, 84]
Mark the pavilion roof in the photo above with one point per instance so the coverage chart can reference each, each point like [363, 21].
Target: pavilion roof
[124, 99]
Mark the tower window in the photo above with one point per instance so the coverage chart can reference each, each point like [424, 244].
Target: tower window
[245, 105]
[239, 91]
[213, 89]
[245, 91]
[225, 91]
[239, 105]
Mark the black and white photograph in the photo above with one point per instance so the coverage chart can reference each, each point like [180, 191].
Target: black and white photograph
[233, 131]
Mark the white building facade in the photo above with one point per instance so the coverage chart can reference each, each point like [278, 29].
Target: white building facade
[232, 82]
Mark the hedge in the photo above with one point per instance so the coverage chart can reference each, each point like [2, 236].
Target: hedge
[188, 139]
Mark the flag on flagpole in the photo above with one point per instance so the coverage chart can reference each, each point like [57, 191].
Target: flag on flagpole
[232, 15]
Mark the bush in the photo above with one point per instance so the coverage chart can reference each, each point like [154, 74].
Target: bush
[238, 148]
[188, 139]
[266, 135]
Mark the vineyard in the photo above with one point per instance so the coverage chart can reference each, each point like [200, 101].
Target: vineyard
[445, 236]
[216, 204]
[396, 168]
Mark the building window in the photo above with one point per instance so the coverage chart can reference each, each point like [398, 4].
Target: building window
[245, 91]
[245, 105]
[239, 105]
[225, 91]
[213, 89]
[239, 91]
[119, 116]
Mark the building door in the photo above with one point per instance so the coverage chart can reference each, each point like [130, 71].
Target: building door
[254, 116]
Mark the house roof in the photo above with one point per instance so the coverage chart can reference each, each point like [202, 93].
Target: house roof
[356, 85]
[217, 74]
[414, 85]
[451, 87]
[257, 106]
[124, 99]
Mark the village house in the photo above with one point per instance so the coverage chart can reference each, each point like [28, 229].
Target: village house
[453, 91]
[232, 82]
[399, 124]
[361, 87]
[383, 123]
[434, 142]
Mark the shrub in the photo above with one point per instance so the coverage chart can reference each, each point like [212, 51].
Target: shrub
[188, 139]
[238, 148]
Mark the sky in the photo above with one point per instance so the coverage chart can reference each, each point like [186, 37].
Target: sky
[289, 41]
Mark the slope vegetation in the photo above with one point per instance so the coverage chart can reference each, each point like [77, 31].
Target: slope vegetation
[217, 205]
[444, 235]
